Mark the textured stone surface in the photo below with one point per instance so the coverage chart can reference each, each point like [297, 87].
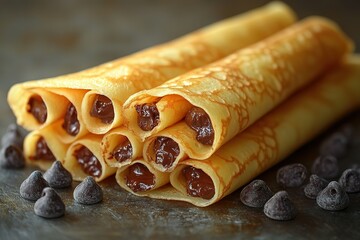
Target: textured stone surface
[42, 39]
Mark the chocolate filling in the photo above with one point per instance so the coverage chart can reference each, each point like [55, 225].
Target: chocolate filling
[71, 123]
[37, 108]
[139, 178]
[166, 151]
[42, 151]
[198, 183]
[123, 151]
[88, 162]
[148, 116]
[198, 120]
[103, 109]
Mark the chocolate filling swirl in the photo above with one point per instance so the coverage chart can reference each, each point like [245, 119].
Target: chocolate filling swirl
[88, 161]
[198, 120]
[37, 108]
[71, 123]
[139, 178]
[103, 109]
[148, 116]
[198, 183]
[123, 151]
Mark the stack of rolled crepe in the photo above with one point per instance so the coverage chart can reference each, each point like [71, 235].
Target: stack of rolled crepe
[184, 156]
[189, 138]
[72, 112]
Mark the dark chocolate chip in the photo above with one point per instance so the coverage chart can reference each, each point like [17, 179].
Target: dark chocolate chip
[88, 162]
[57, 176]
[198, 183]
[350, 180]
[316, 185]
[49, 205]
[198, 120]
[37, 108]
[88, 192]
[333, 197]
[280, 207]
[166, 151]
[11, 157]
[13, 136]
[292, 175]
[103, 109]
[31, 188]
[256, 194]
[148, 116]
[325, 166]
[335, 145]
[123, 151]
[71, 122]
[139, 178]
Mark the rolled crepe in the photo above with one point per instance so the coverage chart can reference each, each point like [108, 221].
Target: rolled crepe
[120, 147]
[83, 158]
[139, 177]
[41, 148]
[270, 139]
[112, 83]
[229, 95]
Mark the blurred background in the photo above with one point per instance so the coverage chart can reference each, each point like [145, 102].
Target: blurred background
[44, 38]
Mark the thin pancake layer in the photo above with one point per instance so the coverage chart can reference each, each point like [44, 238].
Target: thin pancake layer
[83, 158]
[234, 92]
[41, 148]
[274, 136]
[118, 79]
[120, 147]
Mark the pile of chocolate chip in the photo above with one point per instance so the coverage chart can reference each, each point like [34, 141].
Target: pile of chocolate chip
[41, 187]
[329, 195]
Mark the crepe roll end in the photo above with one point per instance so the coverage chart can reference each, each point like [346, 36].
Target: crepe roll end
[197, 182]
[35, 108]
[83, 159]
[146, 115]
[120, 146]
[42, 149]
[163, 153]
[100, 113]
[140, 177]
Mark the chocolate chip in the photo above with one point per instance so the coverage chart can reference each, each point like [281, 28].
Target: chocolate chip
[316, 185]
[325, 166]
[139, 178]
[88, 192]
[333, 197]
[71, 122]
[148, 116]
[255, 194]
[198, 183]
[166, 151]
[57, 176]
[280, 207]
[13, 136]
[49, 205]
[37, 108]
[11, 157]
[103, 109]
[198, 120]
[123, 151]
[31, 188]
[88, 162]
[292, 175]
[350, 180]
[335, 145]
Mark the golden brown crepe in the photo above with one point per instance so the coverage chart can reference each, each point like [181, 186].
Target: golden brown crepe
[90, 162]
[236, 91]
[120, 147]
[117, 80]
[142, 181]
[41, 148]
[273, 137]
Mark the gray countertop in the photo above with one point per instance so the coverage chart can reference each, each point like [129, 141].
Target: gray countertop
[46, 38]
